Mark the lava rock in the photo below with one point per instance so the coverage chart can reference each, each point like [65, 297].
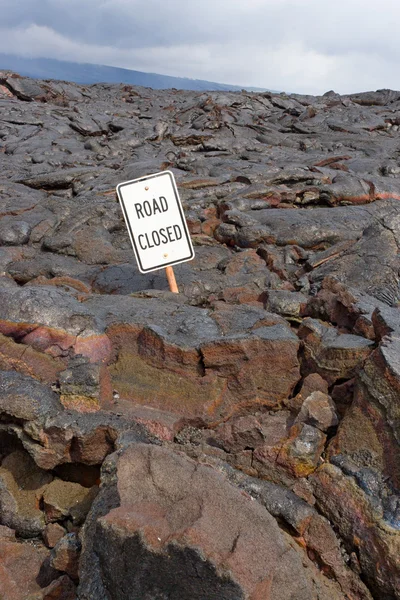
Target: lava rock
[65, 555]
[377, 545]
[311, 383]
[300, 454]
[293, 205]
[14, 233]
[330, 354]
[23, 570]
[24, 88]
[173, 513]
[62, 499]
[285, 303]
[22, 485]
[62, 588]
[24, 399]
[52, 533]
[318, 410]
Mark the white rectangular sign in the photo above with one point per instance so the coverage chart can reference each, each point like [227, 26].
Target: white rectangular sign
[155, 221]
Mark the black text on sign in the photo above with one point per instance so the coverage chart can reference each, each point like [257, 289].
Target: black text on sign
[155, 220]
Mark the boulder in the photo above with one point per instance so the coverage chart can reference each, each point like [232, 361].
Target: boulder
[23, 571]
[187, 533]
[25, 399]
[370, 265]
[62, 588]
[332, 355]
[24, 88]
[311, 383]
[52, 533]
[375, 542]
[318, 410]
[65, 555]
[285, 303]
[22, 485]
[62, 499]
[180, 366]
[369, 433]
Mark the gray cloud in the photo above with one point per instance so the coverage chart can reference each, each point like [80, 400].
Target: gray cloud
[308, 46]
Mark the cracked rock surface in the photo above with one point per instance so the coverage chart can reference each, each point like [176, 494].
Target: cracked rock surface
[239, 440]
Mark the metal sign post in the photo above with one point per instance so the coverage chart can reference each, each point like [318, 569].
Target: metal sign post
[156, 223]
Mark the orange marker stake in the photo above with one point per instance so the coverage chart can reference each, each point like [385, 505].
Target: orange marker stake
[171, 280]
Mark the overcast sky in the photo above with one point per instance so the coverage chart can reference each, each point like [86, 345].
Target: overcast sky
[306, 46]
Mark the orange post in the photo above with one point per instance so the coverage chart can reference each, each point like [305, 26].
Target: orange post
[171, 280]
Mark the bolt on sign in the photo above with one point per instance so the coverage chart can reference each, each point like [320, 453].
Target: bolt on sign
[155, 220]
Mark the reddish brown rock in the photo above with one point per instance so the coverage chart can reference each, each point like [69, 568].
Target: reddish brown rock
[65, 555]
[241, 294]
[63, 499]
[366, 448]
[6, 533]
[69, 439]
[240, 433]
[247, 261]
[262, 430]
[321, 541]
[151, 372]
[312, 531]
[276, 430]
[261, 370]
[368, 433]
[188, 533]
[213, 380]
[347, 307]
[194, 224]
[312, 383]
[27, 361]
[209, 226]
[318, 410]
[5, 91]
[300, 454]
[21, 565]
[178, 366]
[68, 283]
[163, 425]
[62, 588]
[375, 542]
[32, 316]
[52, 533]
[288, 452]
[274, 260]
[330, 354]
[22, 485]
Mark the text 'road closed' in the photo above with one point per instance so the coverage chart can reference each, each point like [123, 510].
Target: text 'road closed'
[155, 221]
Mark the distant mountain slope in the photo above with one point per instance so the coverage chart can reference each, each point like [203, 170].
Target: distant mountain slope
[84, 73]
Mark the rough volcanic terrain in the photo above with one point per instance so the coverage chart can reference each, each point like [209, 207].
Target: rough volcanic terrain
[240, 440]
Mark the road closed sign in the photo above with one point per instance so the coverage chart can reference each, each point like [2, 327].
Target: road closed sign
[155, 221]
